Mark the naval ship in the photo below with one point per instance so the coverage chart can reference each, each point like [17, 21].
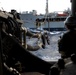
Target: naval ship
[53, 22]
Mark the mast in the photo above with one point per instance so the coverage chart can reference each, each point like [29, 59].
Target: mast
[46, 14]
[46, 10]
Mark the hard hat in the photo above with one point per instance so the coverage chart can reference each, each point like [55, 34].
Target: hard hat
[70, 22]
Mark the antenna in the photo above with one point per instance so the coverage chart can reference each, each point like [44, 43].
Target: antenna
[46, 10]
[46, 14]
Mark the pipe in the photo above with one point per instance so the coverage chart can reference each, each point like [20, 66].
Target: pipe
[73, 7]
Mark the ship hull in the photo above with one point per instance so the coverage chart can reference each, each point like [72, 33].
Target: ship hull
[57, 26]
[30, 22]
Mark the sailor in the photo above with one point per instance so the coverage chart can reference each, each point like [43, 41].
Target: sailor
[67, 47]
[67, 43]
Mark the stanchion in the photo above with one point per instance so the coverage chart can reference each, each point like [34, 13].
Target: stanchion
[73, 7]
[1, 65]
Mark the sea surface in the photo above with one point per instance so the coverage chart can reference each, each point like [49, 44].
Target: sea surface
[50, 53]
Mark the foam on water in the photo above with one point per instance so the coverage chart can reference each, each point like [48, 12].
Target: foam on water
[50, 53]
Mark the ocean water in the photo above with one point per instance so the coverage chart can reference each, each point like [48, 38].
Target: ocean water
[50, 53]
